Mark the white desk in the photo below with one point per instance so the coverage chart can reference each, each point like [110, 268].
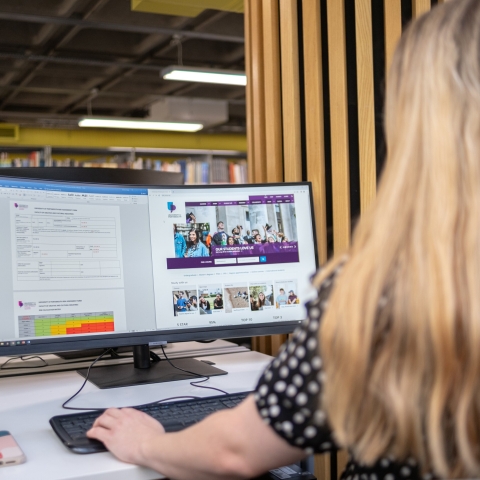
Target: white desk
[28, 402]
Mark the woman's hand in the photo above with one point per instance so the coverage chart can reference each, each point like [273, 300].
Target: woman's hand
[205, 451]
[125, 431]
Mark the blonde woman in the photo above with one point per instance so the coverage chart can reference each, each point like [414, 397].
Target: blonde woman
[393, 371]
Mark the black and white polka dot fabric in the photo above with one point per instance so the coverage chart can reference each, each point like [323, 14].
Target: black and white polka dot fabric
[288, 393]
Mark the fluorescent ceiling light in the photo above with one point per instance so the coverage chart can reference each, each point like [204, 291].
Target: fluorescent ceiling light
[139, 124]
[204, 75]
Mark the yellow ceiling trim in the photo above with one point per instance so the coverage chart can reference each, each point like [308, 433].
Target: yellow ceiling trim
[9, 132]
[102, 138]
[153, 6]
[185, 8]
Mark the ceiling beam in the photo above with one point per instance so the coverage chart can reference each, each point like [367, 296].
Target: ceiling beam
[74, 22]
[75, 91]
[80, 61]
[51, 51]
[160, 49]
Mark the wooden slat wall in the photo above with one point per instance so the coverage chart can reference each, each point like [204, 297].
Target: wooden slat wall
[314, 121]
[292, 142]
[273, 101]
[276, 31]
[337, 59]
[420, 6]
[255, 92]
[393, 28]
[249, 91]
[264, 102]
[366, 103]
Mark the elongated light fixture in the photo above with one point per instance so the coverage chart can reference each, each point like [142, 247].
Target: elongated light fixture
[204, 75]
[139, 124]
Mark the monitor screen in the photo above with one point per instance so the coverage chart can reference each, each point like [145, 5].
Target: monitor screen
[87, 265]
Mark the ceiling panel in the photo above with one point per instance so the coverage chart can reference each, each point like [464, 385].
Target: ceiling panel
[71, 56]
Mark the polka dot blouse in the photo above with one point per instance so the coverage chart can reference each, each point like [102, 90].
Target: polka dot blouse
[287, 397]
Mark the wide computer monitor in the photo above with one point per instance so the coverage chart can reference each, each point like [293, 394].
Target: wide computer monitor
[98, 266]
[97, 175]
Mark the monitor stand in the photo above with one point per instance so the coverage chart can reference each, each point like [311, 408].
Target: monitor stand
[146, 371]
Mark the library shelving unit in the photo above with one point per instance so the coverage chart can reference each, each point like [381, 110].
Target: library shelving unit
[198, 166]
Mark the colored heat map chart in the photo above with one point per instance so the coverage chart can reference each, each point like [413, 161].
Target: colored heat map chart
[68, 324]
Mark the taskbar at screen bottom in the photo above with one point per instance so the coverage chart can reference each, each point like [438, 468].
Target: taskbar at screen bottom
[66, 343]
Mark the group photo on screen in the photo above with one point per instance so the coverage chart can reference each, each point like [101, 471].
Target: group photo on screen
[285, 294]
[236, 297]
[261, 297]
[241, 230]
[210, 299]
[185, 301]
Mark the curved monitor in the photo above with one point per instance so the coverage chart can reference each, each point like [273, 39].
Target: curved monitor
[89, 265]
[126, 176]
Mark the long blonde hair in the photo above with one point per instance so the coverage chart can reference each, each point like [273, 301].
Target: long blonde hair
[401, 337]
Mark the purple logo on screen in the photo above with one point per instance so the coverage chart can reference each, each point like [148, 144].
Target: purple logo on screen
[16, 205]
[171, 206]
[20, 304]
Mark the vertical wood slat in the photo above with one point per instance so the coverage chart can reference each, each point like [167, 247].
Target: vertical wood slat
[315, 147]
[339, 124]
[274, 113]
[255, 344]
[256, 81]
[273, 107]
[255, 106]
[366, 106]
[321, 466]
[276, 342]
[314, 121]
[262, 344]
[292, 141]
[393, 28]
[343, 456]
[249, 90]
[420, 6]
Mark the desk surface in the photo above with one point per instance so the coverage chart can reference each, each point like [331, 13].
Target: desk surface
[28, 402]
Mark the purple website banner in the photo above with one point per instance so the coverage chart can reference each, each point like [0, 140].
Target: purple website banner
[271, 199]
[253, 200]
[231, 261]
[263, 249]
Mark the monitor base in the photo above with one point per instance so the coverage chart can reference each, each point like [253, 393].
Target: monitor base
[115, 376]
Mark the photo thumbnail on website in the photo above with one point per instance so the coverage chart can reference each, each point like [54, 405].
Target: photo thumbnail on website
[236, 297]
[210, 300]
[185, 301]
[285, 294]
[261, 297]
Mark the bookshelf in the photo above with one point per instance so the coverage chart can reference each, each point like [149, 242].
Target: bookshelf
[198, 166]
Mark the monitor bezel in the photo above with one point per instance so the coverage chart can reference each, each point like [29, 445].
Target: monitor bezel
[52, 345]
